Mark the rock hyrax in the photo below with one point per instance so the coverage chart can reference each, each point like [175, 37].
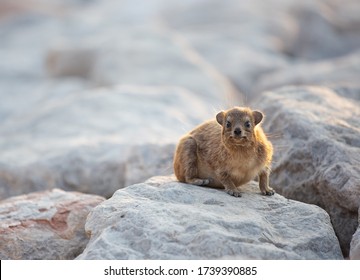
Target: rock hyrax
[226, 153]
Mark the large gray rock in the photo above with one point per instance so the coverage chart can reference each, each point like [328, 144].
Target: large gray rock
[252, 39]
[44, 225]
[317, 143]
[122, 115]
[342, 71]
[244, 64]
[165, 219]
[322, 29]
[243, 36]
[84, 142]
[98, 170]
[156, 57]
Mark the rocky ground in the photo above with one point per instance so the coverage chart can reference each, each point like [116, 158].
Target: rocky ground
[95, 94]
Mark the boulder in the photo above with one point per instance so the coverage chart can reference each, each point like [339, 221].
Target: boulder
[241, 39]
[335, 72]
[157, 57]
[97, 170]
[322, 30]
[83, 142]
[123, 115]
[44, 225]
[165, 219]
[256, 42]
[317, 142]
[244, 64]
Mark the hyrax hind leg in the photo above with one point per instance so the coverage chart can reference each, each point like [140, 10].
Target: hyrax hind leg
[264, 182]
[185, 162]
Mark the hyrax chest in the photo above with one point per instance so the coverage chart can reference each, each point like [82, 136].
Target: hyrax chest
[242, 168]
[239, 167]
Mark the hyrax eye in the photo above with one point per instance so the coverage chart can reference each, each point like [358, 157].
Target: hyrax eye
[228, 124]
[247, 124]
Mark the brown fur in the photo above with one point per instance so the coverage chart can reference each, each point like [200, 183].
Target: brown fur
[226, 153]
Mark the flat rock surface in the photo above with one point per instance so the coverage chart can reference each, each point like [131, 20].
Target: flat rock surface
[44, 225]
[316, 136]
[165, 219]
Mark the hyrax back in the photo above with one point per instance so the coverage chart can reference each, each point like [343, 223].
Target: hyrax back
[226, 153]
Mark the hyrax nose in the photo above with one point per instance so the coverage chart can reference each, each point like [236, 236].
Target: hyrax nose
[237, 131]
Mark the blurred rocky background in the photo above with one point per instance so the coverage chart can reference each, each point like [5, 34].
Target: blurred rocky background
[94, 96]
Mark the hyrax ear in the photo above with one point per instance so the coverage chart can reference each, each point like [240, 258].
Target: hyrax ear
[258, 117]
[220, 117]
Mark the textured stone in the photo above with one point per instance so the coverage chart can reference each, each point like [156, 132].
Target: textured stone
[165, 219]
[244, 35]
[320, 30]
[156, 57]
[122, 115]
[98, 170]
[44, 225]
[335, 72]
[83, 142]
[251, 40]
[317, 142]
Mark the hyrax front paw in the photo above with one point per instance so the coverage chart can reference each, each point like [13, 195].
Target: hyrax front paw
[204, 182]
[269, 192]
[234, 193]
[198, 182]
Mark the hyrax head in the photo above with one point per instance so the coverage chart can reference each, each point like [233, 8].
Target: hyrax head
[238, 125]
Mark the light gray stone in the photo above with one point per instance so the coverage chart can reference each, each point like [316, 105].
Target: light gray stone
[316, 137]
[97, 141]
[157, 57]
[321, 30]
[244, 64]
[123, 115]
[98, 170]
[44, 225]
[335, 72]
[251, 40]
[165, 219]
[245, 37]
